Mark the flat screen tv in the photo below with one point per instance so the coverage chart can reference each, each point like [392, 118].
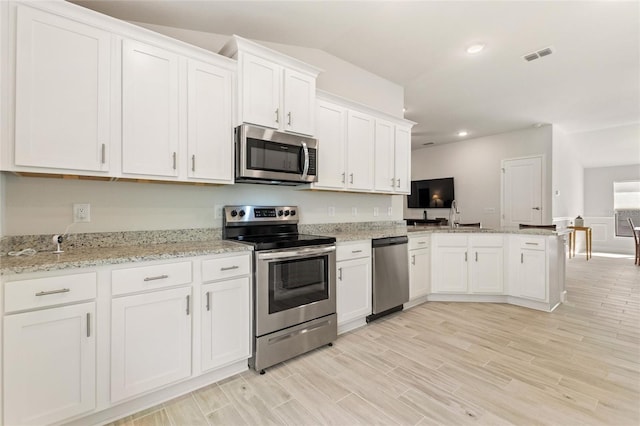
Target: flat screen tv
[431, 194]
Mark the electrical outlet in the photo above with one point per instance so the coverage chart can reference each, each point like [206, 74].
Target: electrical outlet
[218, 211]
[389, 211]
[331, 211]
[81, 213]
[376, 212]
[354, 211]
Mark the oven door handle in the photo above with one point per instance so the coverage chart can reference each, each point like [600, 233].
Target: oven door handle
[294, 254]
[305, 167]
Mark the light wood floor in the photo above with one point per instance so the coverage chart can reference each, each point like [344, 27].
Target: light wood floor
[454, 363]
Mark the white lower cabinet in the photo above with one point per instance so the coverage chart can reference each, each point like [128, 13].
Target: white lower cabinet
[353, 284]
[419, 267]
[531, 268]
[226, 322]
[49, 364]
[150, 341]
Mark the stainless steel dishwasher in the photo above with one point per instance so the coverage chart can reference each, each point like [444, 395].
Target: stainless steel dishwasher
[390, 275]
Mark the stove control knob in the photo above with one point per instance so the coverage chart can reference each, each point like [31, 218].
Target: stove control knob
[280, 212]
[286, 212]
[241, 213]
[234, 213]
[293, 212]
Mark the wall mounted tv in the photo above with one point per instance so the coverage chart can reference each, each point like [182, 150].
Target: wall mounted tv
[431, 194]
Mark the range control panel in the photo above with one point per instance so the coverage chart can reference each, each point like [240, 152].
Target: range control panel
[248, 214]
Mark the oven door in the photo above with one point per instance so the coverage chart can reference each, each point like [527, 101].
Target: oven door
[294, 286]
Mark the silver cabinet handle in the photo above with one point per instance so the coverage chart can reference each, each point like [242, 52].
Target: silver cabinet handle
[465, 256]
[157, 277]
[229, 268]
[398, 183]
[413, 259]
[476, 256]
[531, 244]
[521, 257]
[104, 147]
[193, 163]
[188, 304]
[392, 182]
[535, 208]
[305, 168]
[340, 274]
[88, 324]
[174, 161]
[208, 296]
[422, 242]
[356, 251]
[277, 115]
[343, 177]
[46, 293]
[289, 118]
[351, 178]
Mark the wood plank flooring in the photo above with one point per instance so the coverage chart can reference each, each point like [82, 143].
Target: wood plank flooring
[453, 364]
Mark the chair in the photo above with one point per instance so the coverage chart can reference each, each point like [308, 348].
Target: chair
[525, 226]
[637, 241]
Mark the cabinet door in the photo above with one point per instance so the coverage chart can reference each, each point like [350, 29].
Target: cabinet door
[532, 274]
[360, 140]
[49, 364]
[226, 317]
[450, 270]
[149, 110]
[260, 91]
[419, 273]
[331, 135]
[487, 270]
[62, 93]
[384, 156]
[402, 167]
[299, 102]
[353, 293]
[210, 129]
[150, 341]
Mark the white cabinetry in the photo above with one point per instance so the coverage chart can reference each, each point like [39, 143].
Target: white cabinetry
[226, 311]
[468, 264]
[392, 157]
[353, 285]
[275, 90]
[360, 142]
[531, 268]
[402, 156]
[62, 94]
[332, 138]
[419, 267]
[49, 354]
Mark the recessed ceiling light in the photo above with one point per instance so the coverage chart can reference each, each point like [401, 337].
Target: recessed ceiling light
[462, 133]
[475, 48]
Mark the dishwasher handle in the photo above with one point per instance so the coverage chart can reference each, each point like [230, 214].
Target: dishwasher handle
[389, 241]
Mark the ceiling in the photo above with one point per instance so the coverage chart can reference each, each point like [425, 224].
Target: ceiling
[591, 81]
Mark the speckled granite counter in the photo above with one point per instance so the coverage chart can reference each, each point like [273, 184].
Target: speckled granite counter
[88, 257]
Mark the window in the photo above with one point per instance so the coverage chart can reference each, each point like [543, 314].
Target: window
[626, 204]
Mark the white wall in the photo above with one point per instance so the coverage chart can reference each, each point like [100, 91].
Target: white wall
[339, 77]
[475, 166]
[43, 205]
[567, 178]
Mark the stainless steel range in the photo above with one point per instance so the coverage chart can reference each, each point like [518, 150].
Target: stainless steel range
[294, 277]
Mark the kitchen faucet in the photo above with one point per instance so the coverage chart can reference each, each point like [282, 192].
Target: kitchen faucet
[453, 212]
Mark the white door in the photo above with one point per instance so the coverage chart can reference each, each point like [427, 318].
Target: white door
[149, 110]
[419, 273]
[226, 314]
[331, 135]
[260, 91]
[210, 129]
[402, 167]
[299, 102]
[360, 141]
[487, 270]
[49, 364]
[150, 341]
[62, 93]
[353, 289]
[384, 156]
[522, 191]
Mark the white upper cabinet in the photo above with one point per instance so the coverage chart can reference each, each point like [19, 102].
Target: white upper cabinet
[384, 156]
[275, 90]
[331, 134]
[62, 93]
[149, 110]
[210, 126]
[360, 136]
[402, 156]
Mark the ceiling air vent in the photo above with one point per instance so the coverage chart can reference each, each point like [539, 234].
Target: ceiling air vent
[538, 54]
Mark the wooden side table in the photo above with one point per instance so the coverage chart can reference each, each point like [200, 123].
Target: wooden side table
[572, 240]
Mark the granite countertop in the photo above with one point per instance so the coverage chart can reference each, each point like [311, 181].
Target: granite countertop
[89, 257]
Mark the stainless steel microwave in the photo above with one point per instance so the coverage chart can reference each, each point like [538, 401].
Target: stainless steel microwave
[268, 156]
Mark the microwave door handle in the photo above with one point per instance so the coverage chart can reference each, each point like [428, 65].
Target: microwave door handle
[305, 168]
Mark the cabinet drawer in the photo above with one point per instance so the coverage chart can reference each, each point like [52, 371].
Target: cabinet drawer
[419, 242]
[532, 243]
[131, 280]
[450, 240]
[487, 241]
[49, 291]
[225, 267]
[356, 250]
